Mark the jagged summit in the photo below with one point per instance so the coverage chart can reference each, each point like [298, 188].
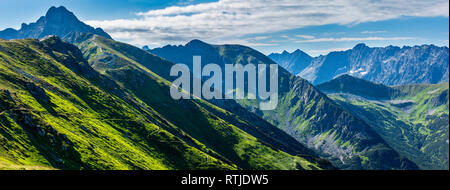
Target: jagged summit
[293, 62]
[59, 12]
[390, 65]
[300, 52]
[57, 21]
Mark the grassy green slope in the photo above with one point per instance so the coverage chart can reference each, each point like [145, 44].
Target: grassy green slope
[51, 117]
[227, 134]
[413, 119]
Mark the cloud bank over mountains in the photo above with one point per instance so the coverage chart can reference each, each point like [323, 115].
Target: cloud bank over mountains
[218, 22]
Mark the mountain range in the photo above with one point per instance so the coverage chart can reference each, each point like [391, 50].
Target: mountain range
[303, 111]
[102, 105]
[389, 65]
[74, 98]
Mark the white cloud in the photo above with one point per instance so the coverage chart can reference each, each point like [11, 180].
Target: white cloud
[258, 38]
[350, 39]
[233, 19]
[246, 42]
[305, 36]
[373, 32]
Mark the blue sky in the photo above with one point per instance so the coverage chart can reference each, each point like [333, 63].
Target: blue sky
[316, 27]
[15, 12]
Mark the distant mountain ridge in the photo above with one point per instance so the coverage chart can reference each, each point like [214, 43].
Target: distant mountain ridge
[389, 65]
[57, 21]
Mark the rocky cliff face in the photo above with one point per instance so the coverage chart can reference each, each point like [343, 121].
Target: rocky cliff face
[389, 65]
[57, 21]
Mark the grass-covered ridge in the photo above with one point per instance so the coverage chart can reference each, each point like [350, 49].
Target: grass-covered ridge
[236, 139]
[56, 112]
[52, 117]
